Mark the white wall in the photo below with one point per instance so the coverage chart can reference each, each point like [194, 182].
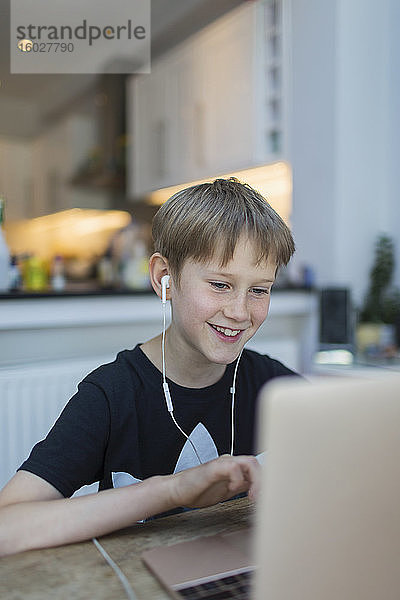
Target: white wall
[393, 122]
[312, 132]
[344, 135]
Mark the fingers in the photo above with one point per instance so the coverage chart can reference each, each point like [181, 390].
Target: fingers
[253, 473]
[243, 473]
[215, 481]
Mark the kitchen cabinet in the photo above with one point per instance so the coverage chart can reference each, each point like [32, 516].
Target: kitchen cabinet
[214, 104]
[16, 177]
[57, 155]
[151, 127]
[225, 95]
[35, 174]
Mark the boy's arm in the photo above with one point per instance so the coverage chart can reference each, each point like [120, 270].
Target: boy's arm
[33, 514]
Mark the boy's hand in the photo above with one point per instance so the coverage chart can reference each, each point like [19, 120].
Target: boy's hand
[215, 481]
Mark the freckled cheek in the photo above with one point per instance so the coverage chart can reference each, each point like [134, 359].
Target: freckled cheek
[204, 308]
[197, 308]
[260, 313]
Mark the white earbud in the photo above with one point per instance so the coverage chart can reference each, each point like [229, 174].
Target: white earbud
[164, 286]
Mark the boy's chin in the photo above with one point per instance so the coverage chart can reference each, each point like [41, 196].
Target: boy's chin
[224, 358]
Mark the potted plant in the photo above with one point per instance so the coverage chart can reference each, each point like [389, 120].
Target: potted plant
[380, 313]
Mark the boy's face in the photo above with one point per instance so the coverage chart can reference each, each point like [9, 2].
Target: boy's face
[217, 310]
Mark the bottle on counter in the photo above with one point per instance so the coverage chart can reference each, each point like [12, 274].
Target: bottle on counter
[15, 277]
[57, 274]
[4, 254]
[105, 271]
[135, 268]
[35, 274]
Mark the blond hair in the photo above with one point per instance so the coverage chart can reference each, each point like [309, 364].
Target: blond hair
[204, 220]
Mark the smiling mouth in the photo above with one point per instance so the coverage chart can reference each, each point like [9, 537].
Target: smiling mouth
[226, 331]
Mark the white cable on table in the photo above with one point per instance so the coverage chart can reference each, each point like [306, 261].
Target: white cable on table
[127, 586]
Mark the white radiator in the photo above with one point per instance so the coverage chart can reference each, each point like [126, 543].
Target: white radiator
[31, 398]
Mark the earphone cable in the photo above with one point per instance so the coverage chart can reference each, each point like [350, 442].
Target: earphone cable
[163, 341]
[187, 437]
[166, 388]
[168, 395]
[233, 391]
[121, 576]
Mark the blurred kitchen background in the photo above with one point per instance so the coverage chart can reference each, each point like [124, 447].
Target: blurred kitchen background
[299, 98]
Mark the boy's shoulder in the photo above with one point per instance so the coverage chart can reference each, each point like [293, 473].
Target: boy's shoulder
[264, 365]
[125, 370]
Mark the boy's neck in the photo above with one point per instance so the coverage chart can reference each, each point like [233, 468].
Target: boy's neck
[182, 367]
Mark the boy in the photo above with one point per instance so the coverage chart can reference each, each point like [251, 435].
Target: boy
[170, 423]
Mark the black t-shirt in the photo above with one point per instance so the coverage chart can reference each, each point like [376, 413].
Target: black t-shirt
[117, 430]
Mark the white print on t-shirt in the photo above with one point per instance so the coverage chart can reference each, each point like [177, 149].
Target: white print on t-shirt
[205, 448]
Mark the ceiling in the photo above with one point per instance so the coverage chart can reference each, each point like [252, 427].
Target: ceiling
[29, 102]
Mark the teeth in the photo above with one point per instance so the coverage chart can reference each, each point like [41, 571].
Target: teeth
[228, 332]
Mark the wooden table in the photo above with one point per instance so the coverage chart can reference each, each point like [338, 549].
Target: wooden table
[79, 572]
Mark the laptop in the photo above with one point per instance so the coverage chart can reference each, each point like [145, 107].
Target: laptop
[328, 516]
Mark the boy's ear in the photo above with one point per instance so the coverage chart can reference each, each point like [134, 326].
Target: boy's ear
[158, 267]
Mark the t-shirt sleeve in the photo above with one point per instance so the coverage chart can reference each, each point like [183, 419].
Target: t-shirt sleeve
[72, 454]
[278, 369]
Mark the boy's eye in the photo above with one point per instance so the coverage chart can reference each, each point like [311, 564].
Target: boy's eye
[219, 285]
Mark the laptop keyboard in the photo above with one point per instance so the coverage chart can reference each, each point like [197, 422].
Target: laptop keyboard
[232, 586]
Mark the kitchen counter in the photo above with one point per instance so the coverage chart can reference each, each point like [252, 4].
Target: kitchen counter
[57, 327]
[72, 292]
[43, 328]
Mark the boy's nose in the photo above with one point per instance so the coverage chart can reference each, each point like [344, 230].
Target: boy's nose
[237, 309]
